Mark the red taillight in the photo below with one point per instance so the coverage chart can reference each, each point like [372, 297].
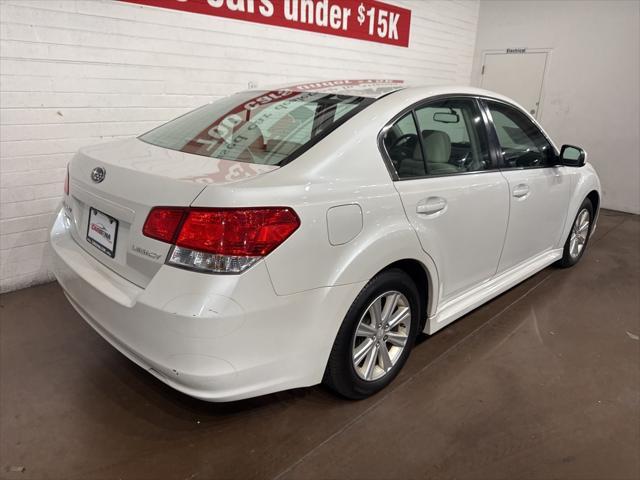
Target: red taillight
[221, 239]
[162, 223]
[66, 181]
[250, 232]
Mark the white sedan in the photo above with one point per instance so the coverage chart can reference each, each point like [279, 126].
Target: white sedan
[279, 239]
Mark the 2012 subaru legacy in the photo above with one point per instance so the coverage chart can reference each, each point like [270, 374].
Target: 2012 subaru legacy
[284, 238]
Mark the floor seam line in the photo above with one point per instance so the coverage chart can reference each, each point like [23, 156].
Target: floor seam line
[333, 435]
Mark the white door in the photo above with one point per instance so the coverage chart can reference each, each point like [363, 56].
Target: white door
[461, 223]
[452, 194]
[516, 75]
[539, 190]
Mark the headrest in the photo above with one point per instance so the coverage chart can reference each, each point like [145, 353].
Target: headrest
[437, 146]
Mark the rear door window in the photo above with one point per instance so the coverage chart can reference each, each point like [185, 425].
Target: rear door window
[403, 148]
[450, 137]
[454, 137]
[267, 128]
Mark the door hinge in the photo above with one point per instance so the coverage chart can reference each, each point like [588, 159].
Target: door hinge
[482, 71]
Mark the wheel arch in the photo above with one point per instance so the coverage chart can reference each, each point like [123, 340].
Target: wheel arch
[423, 280]
[594, 196]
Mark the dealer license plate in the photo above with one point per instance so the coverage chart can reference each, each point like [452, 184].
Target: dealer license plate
[102, 231]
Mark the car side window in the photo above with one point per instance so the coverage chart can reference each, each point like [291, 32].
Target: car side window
[522, 143]
[403, 147]
[454, 137]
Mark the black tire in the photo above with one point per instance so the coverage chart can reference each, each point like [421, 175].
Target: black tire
[569, 258]
[340, 374]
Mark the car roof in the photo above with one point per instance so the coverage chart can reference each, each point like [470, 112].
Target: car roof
[371, 88]
[377, 88]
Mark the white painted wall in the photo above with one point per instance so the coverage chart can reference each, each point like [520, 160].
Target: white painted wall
[75, 72]
[591, 94]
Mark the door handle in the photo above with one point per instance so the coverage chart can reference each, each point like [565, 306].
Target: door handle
[521, 190]
[428, 206]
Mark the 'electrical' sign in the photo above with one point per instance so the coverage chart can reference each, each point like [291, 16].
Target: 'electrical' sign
[370, 20]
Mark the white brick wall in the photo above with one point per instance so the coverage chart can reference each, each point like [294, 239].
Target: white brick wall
[76, 72]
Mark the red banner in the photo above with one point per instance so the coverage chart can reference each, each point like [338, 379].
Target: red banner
[369, 20]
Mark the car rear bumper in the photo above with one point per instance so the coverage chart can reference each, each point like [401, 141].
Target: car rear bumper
[213, 337]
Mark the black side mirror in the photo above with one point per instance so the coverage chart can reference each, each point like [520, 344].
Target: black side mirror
[572, 156]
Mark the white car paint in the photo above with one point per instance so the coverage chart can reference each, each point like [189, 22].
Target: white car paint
[225, 337]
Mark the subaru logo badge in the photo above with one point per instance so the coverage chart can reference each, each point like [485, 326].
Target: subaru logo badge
[98, 174]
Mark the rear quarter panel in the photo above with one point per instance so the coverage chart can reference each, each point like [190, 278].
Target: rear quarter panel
[344, 168]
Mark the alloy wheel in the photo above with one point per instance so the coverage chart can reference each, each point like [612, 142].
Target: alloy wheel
[381, 335]
[579, 233]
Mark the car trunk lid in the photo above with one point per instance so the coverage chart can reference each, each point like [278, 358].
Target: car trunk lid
[108, 213]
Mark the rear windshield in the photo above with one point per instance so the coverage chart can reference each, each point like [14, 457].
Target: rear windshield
[269, 128]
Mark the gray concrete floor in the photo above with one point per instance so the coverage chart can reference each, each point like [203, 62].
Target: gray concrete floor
[543, 382]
